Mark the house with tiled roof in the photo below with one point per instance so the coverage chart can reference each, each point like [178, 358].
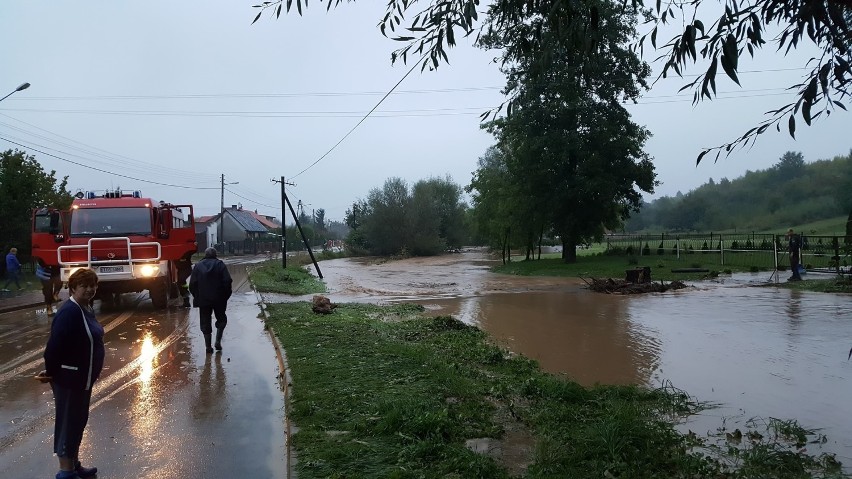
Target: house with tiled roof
[206, 231]
[270, 222]
[239, 224]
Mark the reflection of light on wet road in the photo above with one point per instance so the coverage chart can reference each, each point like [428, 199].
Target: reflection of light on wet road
[147, 357]
[145, 418]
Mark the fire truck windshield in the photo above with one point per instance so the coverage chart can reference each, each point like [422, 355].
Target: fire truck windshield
[106, 222]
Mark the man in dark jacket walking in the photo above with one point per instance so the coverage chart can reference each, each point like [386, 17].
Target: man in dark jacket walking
[210, 285]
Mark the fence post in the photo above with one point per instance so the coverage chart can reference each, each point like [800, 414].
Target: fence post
[775, 246]
[677, 244]
[836, 255]
[721, 249]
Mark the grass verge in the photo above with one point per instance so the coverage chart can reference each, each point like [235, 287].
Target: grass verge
[606, 266]
[270, 277]
[387, 392]
[839, 284]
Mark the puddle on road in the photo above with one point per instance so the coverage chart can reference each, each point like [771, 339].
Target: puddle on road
[757, 351]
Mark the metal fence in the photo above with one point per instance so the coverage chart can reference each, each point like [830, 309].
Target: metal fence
[250, 246]
[748, 250]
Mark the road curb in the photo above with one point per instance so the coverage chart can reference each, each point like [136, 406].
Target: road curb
[284, 381]
[18, 307]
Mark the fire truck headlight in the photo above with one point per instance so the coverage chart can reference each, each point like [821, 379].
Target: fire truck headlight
[149, 270]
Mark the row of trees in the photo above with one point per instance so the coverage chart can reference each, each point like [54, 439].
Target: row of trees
[424, 219]
[25, 185]
[790, 193]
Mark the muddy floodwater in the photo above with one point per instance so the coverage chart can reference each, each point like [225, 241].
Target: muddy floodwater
[758, 352]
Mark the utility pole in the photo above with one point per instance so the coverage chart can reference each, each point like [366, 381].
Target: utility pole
[222, 211]
[286, 202]
[222, 214]
[283, 220]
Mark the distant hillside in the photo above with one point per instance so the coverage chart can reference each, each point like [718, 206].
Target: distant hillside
[790, 193]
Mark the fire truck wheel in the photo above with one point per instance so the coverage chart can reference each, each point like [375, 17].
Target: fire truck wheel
[159, 293]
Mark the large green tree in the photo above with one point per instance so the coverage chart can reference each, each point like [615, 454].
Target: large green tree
[24, 186]
[719, 37]
[571, 145]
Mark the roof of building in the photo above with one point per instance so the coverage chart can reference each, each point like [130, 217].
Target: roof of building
[247, 220]
[265, 221]
[206, 219]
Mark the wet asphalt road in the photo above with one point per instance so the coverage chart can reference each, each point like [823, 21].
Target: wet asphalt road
[162, 408]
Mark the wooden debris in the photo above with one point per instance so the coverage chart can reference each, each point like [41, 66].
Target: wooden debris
[620, 286]
[322, 305]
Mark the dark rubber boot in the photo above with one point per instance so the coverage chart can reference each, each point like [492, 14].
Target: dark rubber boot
[186, 302]
[207, 343]
[219, 339]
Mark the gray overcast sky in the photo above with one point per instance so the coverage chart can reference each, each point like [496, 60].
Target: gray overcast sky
[182, 92]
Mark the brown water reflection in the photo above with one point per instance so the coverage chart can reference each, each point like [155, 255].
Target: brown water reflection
[588, 337]
[756, 351]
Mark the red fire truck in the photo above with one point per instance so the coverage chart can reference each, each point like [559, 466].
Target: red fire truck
[133, 243]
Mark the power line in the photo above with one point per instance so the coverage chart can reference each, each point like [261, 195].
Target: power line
[311, 94]
[249, 200]
[105, 171]
[252, 194]
[115, 158]
[429, 112]
[413, 66]
[257, 114]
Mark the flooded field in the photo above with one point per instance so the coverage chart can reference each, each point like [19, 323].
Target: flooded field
[757, 352]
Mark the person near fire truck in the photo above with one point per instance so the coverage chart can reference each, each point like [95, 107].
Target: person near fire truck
[73, 360]
[210, 285]
[51, 285]
[184, 270]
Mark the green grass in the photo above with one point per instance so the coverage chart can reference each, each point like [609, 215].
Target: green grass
[605, 266]
[386, 392]
[270, 277]
[610, 266]
[830, 226]
[833, 285]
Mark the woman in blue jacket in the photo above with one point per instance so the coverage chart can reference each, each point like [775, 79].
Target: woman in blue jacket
[73, 360]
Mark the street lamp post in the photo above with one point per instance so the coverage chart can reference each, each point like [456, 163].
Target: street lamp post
[23, 86]
[222, 212]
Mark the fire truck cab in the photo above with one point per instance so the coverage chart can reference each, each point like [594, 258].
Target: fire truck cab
[133, 243]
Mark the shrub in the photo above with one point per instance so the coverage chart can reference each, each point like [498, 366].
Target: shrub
[704, 248]
[660, 250]
[754, 269]
[646, 250]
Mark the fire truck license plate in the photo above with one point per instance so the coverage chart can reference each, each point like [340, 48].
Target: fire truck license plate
[111, 269]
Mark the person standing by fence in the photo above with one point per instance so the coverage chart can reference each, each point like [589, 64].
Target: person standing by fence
[794, 246]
